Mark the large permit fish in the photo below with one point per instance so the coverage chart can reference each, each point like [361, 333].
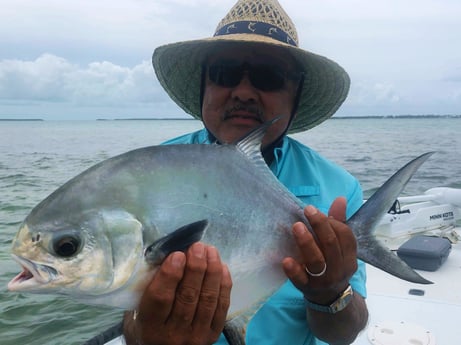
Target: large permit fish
[100, 237]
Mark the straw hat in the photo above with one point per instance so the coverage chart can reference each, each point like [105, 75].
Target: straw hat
[178, 65]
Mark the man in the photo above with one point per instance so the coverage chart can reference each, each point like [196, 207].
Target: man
[250, 72]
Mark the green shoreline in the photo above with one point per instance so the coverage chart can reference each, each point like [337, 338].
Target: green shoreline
[192, 119]
[22, 119]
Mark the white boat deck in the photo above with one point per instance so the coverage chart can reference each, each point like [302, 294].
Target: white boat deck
[431, 315]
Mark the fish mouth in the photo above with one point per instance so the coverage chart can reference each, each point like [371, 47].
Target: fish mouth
[33, 275]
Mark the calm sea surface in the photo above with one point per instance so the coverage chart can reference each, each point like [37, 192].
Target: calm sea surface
[37, 157]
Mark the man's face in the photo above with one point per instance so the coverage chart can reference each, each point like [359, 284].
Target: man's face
[245, 88]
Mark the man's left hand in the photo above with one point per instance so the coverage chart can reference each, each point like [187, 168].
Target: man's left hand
[331, 247]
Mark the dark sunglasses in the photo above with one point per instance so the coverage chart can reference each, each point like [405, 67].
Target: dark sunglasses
[263, 77]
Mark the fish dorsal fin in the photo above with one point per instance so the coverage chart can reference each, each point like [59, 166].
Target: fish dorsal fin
[178, 240]
[250, 145]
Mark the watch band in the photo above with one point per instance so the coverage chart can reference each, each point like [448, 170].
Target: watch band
[339, 304]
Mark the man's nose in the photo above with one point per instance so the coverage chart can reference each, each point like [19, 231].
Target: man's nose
[245, 91]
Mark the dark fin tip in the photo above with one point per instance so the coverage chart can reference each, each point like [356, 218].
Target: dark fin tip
[179, 240]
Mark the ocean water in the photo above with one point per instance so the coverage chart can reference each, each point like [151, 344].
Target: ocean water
[37, 157]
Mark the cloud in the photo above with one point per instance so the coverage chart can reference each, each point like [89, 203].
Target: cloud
[367, 97]
[376, 94]
[41, 79]
[52, 78]
[402, 56]
[453, 74]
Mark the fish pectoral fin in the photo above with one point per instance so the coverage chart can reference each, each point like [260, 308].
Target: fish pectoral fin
[178, 240]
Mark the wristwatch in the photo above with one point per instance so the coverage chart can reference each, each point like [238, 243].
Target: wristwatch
[339, 304]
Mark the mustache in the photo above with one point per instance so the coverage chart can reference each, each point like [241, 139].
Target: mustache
[253, 110]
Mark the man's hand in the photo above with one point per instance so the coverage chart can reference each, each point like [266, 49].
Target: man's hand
[185, 303]
[332, 244]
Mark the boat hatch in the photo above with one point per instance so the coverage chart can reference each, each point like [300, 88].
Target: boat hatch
[402, 333]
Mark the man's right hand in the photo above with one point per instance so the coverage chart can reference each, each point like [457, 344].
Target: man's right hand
[185, 303]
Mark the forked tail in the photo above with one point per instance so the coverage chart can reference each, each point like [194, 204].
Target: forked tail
[364, 221]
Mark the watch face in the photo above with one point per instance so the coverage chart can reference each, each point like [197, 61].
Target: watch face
[337, 305]
[342, 301]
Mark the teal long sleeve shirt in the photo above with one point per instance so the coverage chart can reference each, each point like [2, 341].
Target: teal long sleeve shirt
[316, 181]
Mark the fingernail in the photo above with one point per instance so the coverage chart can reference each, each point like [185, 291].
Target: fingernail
[198, 249]
[212, 254]
[299, 229]
[177, 259]
[288, 264]
[311, 210]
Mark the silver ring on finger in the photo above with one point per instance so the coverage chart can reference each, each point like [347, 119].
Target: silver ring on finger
[317, 274]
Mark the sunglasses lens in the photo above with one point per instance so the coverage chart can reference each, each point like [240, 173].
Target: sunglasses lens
[262, 77]
[267, 78]
[225, 75]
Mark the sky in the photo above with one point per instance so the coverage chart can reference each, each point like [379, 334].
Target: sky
[87, 59]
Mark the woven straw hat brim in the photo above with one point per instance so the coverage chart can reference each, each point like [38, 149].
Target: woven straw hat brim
[178, 69]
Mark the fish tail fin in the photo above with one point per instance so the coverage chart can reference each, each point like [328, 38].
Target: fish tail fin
[368, 216]
[374, 253]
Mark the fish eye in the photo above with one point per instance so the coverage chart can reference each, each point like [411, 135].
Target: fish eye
[67, 245]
